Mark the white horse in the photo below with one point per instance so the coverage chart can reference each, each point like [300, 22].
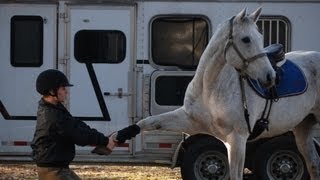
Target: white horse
[213, 102]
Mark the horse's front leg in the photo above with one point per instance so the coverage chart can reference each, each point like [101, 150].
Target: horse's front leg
[236, 147]
[176, 121]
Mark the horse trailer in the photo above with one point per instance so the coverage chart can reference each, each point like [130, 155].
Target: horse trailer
[130, 59]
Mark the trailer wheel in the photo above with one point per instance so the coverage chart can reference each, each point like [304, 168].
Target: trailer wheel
[205, 162]
[279, 159]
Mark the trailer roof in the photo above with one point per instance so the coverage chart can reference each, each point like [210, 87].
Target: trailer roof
[133, 1]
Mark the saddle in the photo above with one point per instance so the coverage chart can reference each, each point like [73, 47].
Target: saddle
[275, 54]
[290, 79]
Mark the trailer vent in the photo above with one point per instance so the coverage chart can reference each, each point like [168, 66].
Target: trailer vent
[275, 29]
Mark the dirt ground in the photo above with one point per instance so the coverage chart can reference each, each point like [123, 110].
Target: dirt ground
[106, 172]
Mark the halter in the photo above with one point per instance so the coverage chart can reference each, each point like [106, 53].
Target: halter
[262, 123]
[245, 61]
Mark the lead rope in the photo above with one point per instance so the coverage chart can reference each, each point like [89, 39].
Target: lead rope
[244, 103]
[273, 98]
[262, 123]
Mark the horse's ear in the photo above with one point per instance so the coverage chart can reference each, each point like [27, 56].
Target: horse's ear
[241, 15]
[256, 14]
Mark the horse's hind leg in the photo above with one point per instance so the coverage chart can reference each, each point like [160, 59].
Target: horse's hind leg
[304, 141]
[176, 121]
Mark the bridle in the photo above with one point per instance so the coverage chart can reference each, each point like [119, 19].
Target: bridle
[230, 43]
[263, 122]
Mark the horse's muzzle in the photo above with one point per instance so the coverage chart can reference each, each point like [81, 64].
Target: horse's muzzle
[269, 82]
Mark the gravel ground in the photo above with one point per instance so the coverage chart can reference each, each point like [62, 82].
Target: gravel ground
[107, 172]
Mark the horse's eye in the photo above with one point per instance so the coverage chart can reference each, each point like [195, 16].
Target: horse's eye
[246, 39]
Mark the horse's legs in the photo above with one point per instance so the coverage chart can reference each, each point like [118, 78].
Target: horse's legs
[236, 146]
[304, 141]
[177, 121]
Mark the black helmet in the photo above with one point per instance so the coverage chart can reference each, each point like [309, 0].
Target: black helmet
[51, 79]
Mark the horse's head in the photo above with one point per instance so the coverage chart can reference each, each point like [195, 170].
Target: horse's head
[244, 48]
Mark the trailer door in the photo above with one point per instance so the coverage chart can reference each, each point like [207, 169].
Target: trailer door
[27, 47]
[101, 57]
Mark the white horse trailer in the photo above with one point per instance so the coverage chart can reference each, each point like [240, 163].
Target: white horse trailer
[130, 59]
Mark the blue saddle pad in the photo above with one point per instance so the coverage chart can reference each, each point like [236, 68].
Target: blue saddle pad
[292, 82]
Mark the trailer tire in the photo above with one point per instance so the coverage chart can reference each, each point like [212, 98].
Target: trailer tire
[279, 158]
[204, 161]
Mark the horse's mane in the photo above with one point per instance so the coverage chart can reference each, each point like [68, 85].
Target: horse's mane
[216, 44]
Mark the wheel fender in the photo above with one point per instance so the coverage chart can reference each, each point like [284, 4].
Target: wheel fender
[188, 141]
[176, 155]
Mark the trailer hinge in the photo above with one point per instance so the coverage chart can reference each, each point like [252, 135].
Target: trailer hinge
[64, 16]
[63, 61]
[138, 69]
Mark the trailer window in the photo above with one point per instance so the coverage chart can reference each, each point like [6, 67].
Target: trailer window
[275, 29]
[170, 90]
[178, 41]
[100, 46]
[26, 41]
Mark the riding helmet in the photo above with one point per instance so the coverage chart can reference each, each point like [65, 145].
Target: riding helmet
[51, 79]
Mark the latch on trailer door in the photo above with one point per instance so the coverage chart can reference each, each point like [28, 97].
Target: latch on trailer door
[120, 93]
